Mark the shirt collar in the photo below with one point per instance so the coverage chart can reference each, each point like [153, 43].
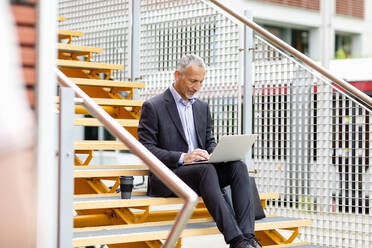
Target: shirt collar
[178, 98]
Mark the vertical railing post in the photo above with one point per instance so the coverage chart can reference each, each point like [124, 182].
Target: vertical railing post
[47, 188]
[66, 164]
[324, 140]
[135, 39]
[327, 31]
[135, 12]
[248, 84]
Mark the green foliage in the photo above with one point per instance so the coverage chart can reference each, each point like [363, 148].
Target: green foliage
[340, 54]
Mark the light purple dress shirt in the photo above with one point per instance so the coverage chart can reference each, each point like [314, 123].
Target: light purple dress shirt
[187, 120]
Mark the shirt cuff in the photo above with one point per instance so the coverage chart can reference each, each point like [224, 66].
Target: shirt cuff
[180, 161]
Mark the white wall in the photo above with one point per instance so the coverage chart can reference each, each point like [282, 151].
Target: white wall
[366, 39]
[352, 69]
[274, 14]
[269, 13]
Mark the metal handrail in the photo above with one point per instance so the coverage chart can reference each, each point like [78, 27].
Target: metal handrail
[278, 42]
[156, 166]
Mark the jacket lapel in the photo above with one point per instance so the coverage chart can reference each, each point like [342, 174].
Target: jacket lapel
[173, 113]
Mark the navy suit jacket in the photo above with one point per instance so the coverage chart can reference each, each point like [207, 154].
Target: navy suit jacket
[160, 130]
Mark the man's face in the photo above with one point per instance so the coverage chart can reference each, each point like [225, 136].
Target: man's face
[189, 82]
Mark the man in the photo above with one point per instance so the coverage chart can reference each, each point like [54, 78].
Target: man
[177, 128]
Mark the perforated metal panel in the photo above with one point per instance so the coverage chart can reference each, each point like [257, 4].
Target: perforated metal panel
[314, 148]
[105, 25]
[172, 29]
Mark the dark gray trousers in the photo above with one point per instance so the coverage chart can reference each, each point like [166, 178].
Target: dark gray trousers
[208, 179]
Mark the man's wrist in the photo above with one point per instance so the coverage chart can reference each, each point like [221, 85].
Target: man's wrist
[180, 160]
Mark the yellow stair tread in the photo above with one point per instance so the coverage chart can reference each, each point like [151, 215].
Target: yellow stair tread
[88, 65]
[147, 231]
[61, 18]
[99, 145]
[93, 122]
[118, 102]
[115, 102]
[113, 200]
[72, 33]
[269, 196]
[77, 49]
[88, 172]
[127, 233]
[113, 166]
[302, 244]
[107, 83]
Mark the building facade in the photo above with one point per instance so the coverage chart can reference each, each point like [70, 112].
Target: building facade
[300, 24]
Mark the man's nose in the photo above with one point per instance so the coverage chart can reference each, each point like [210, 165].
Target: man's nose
[197, 86]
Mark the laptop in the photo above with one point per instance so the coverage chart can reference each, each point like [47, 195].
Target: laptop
[230, 148]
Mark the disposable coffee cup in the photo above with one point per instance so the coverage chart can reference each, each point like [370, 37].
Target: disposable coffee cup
[126, 186]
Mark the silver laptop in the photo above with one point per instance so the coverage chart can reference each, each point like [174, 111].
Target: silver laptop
[230, 148]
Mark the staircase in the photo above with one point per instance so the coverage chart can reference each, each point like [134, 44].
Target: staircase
[101, 216]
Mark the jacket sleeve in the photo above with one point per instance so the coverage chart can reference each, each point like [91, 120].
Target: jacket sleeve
[210, 143]
[148, 134]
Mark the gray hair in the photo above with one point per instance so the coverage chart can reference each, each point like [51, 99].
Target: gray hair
[188, 60]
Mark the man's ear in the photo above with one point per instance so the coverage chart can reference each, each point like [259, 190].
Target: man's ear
[177, 74]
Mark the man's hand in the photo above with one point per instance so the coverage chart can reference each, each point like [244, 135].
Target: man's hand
[197, 154]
